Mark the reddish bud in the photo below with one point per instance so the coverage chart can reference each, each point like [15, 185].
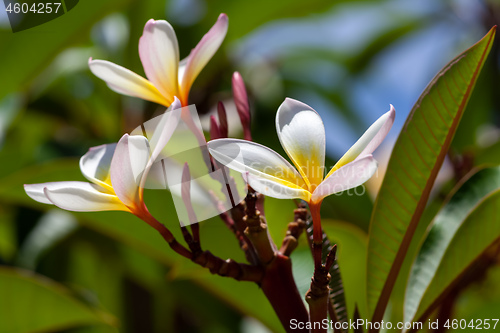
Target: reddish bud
[241, 100]
[214, 129]
[223, 128]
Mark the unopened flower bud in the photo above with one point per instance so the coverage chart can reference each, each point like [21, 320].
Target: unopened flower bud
[214, 129]
[241, 100]
[223, 128]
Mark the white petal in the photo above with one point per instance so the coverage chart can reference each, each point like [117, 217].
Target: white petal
[263, 163]
[167, 123]
[95, 165]
[126, 82]
[82, 197]
[369, 141]
[159, 53]
[182, 70]
[349, 176]
[156, 177]
[202, 53]
[35, 191]
[302, 135]
[127, 167]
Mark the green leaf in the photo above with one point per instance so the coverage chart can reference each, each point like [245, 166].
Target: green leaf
[440, 238]
[33, 303]
[351, 255]
[358, 329]
[415, 162]
[8, 244]
[478, 234]
[489, 155]
[480, 300]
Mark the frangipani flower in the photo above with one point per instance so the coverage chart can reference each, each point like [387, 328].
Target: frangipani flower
[117, 173]
[302, 135]
[159, 53]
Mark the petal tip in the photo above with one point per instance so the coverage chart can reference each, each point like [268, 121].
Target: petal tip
[295, 102]
[392, 111]
[291, 105]
[124, 137]
[28, 187]
[391, 115]
[223, 17]
[149, 26]
[237, 77]
[176, 104]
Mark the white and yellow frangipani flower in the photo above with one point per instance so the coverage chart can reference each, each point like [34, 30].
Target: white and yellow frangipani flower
[159, 53]
[302, 136]
[117, 173]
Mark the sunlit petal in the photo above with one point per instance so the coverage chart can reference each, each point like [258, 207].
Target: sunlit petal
[350, 175]
[166, 126]
[35, 191]
[276, 189]
[182, 69]
[127, 167]
[245, 156]
[95, 165]
[202, 53]
[81, 197]
[162, 133]
[159, 53]
[369, 141]
[155, 177]
[302, 135]
[126, 82]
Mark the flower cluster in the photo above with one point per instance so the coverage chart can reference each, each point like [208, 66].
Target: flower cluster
[302, 136]
[112, 169]
[118, 172]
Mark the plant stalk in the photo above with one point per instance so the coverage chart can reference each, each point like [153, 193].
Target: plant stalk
[317, 296]
[317, 246]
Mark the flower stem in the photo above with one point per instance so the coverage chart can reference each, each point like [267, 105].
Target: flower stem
[257, 231]
[317, 245]
[317, 296]
[295, 229]
[166, 234]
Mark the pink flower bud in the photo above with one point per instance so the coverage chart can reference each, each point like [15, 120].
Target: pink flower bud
[223, 128]
[214, 129]
[241, 100]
